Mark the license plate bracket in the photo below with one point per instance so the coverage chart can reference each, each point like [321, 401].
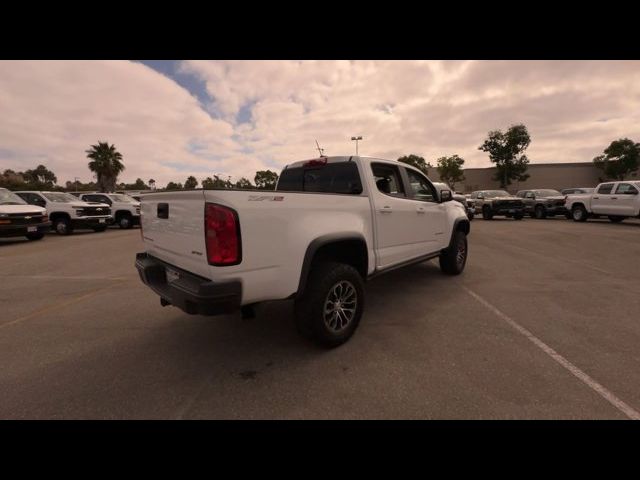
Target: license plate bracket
[32, 229]
[171, 275]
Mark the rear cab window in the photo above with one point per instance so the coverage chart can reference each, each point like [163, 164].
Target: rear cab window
[339, 177]
[626, 189]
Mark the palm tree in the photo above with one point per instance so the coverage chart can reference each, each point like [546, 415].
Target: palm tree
[106, 164]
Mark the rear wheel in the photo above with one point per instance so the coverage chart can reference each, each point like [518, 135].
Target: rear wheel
[454, 258]
[329, 310]
[35, 236]
[487, 214]
[579, 213]
[62, 226]
[615, 218]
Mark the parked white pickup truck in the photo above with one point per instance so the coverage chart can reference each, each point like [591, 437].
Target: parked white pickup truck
[124, 209]
[19, 219]
[330, 224]
[617, 200]
[68, 213]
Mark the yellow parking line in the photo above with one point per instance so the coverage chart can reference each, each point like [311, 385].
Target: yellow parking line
[57, 306]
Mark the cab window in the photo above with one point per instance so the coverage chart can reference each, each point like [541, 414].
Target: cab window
[421, 188]
[605, 188]
[626, 189]
[388, 180]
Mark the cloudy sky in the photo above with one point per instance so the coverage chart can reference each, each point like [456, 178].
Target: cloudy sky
[172, 119]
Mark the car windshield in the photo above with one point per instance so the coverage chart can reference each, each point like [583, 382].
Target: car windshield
[60, 197]
[547, 193]
[495, 193]
[10, 198]
[118, 197]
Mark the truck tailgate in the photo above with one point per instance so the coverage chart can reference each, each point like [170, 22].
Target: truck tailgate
[173, 229]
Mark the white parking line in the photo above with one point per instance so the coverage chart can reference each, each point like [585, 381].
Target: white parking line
[590, 382]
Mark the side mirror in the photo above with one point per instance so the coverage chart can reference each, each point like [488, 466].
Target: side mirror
[445, 195]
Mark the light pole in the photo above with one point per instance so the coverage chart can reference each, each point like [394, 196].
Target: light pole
[356, 139]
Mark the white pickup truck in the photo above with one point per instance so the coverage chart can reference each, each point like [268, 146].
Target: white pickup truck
[616, 200]
[124, 209]
[331, 223]
[19, 219]
[67, 213]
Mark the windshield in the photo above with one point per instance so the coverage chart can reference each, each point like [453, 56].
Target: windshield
[122, 198]
[10, 198]
[547, 193]
[495, 193]
[60, 197]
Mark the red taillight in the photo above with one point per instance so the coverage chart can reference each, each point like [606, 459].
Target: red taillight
[222, 235]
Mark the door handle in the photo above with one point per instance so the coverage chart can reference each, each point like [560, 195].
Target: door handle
[420, 210]
[596, 198]
[614, 198]
[386, 209]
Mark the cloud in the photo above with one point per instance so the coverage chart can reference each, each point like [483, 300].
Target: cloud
[252, 115]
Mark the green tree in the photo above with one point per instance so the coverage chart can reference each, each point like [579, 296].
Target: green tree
[41, 178]
[620, 159]
[506, 152]
[106, 164]
[416, 161]
[266, 180]
[191, 182]
[244, 183]
[207, 182]
[173, 186]
[450, 170]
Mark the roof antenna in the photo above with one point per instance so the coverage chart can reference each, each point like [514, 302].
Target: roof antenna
[321, 150]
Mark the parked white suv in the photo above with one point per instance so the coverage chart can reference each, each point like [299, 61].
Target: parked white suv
[68, 213]
[19, 219]
[330, 224]
[617, 200]
[124, 209]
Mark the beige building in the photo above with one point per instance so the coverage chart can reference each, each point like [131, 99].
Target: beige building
[541, 175]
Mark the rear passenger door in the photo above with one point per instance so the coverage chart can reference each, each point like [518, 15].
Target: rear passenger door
[398, 236]
[601, 202]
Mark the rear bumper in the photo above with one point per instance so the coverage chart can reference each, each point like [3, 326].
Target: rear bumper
[21, 230]
[188, 292]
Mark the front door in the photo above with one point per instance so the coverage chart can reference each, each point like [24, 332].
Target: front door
[398, 237]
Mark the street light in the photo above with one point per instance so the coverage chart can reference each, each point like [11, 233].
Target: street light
[356, 139]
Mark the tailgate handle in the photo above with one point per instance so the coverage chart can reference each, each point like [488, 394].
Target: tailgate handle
[163, 210]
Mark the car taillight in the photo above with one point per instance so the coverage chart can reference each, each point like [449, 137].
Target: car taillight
[222, 235]
[321, 162]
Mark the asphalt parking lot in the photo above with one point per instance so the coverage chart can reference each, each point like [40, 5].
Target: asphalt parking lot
[543, 324]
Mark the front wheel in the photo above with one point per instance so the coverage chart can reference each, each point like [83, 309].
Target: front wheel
[487, 214]
[62, 226]
[579, 213]
[540, 212]
[125, 222]
[329, 310]
[454, 258]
